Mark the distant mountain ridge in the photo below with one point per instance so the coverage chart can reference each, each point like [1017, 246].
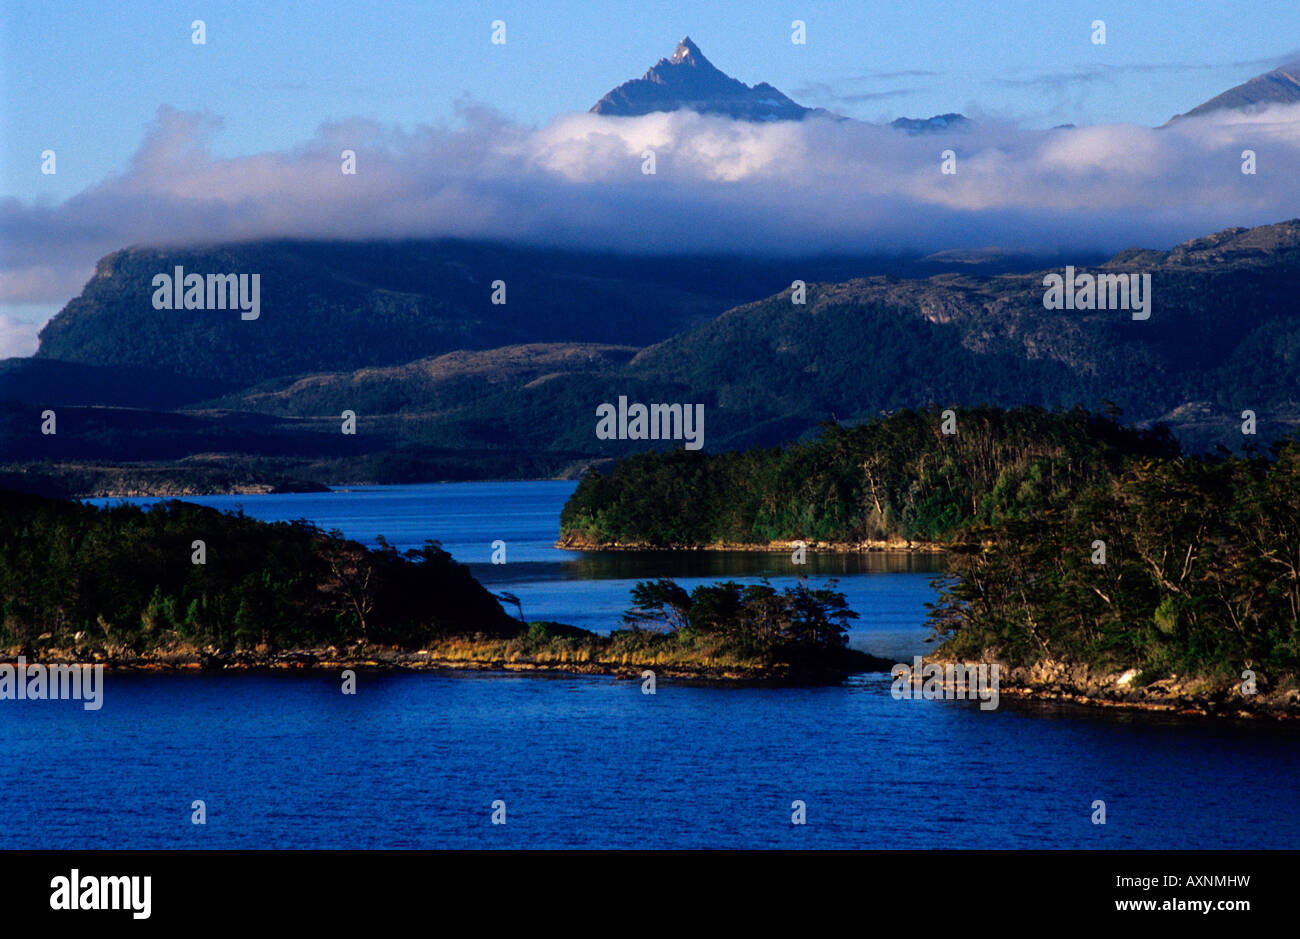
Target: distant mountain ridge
[1279, 86]
[332, 305]
[939, 122]
[687, 80]
[1223, 331]
[341, 306]
[1223, 337]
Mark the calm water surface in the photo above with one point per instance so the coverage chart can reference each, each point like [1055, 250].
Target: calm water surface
[417, 760]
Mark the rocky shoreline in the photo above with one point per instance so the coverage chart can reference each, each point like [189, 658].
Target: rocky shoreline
[1046, 681]
[1051, 680]
[333, 660]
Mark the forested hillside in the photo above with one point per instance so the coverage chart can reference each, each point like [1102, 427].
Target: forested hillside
[893, 478]
[1222, 336]
[1177, 566]
[329, 306]
[447, 385]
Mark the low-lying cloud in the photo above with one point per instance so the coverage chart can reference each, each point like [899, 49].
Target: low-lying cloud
[719, 185]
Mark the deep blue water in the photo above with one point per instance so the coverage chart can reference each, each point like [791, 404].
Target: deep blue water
[417, 760]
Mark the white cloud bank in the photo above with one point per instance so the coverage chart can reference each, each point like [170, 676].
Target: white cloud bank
[719, 184]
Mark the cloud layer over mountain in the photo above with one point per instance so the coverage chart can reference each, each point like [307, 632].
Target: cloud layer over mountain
[720, 184]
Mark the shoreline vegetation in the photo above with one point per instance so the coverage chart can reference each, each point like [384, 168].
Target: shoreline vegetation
[1051, 681]
[912, 478]
[178, 585]
[590, 655]
[1046, 682]
[577, 542]
[1098, 564]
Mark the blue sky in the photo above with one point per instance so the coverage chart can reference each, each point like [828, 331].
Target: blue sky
[86, 78]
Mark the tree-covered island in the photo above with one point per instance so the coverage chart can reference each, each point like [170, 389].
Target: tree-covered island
[178, 585]
[1094, 562]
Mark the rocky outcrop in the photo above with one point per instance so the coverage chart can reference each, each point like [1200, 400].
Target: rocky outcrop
[827, 667]
[1051, 679]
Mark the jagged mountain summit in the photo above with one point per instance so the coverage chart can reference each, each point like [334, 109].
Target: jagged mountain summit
[690, 81]
[1280, 86]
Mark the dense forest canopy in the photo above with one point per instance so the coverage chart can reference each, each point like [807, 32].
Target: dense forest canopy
[1188, 566]
[895, 477]
[125, 577]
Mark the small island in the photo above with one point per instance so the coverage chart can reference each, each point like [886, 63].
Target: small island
[181, 587]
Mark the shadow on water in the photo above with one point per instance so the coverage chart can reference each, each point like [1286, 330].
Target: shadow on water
[646, 565]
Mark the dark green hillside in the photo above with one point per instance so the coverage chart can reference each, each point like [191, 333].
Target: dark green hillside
[333, 306]
[446, 386]
[892, 478]
[49, 382]
[427, 387]
[1224, 330]
[1223, 337]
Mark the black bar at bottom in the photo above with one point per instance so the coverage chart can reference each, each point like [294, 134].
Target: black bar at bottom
[646, 890]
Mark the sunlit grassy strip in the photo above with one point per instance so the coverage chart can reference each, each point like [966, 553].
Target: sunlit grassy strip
[610, 651]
